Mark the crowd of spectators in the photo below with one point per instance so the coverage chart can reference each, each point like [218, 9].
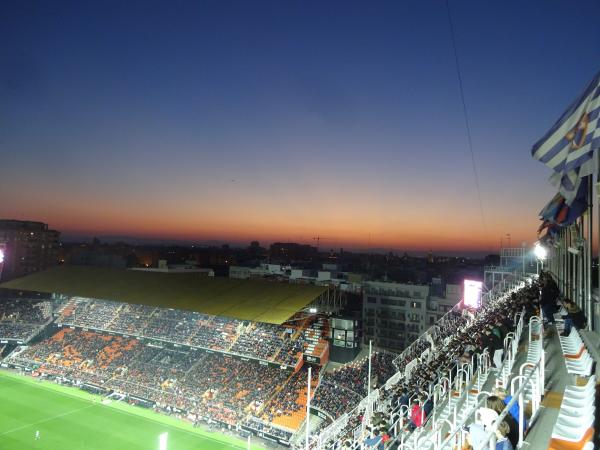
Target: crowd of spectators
[254, 340]
[204, 385]
[343, 388]
[269, 341]
[291, 398]
[454, 341]
[22, 318]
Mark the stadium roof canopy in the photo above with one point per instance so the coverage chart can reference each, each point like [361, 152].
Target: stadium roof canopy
[255, 300]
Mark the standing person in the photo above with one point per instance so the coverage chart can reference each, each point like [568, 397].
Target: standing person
[417, 415]
[575, 317]
[548, 299]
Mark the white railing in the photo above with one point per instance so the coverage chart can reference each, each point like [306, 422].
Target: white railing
[444, 422]
[534, 378]
[499, 292]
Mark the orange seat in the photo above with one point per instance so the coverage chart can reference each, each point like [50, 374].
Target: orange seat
[558, 444]
[578, 355]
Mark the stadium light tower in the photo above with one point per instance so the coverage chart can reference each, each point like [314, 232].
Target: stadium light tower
[540, 253]
[308, 408]
[162, 441]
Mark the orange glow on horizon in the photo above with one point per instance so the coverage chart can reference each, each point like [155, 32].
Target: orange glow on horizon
[333, 236]
[352, 218]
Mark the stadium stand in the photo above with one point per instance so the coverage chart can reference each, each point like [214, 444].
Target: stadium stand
[202, 384]
[287, 408]
[341, 389]
[22, 318]
[486, 384]
[251, 339]
[477, 378]
[441, 374]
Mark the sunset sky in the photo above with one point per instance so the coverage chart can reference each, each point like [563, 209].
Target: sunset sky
[286, 120]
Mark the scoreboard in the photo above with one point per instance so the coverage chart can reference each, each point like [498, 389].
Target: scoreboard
[345, 337]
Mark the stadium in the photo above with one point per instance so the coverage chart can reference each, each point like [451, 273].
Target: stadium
[144, 372]
[242, 371]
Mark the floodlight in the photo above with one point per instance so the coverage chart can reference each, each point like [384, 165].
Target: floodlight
[312, 310]
[162, 441]
[1, 256]
[472, 293]
[539, 251]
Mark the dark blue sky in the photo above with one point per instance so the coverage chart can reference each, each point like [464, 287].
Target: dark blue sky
[286, 120]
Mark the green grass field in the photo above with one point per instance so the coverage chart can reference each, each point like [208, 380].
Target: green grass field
[70, 419]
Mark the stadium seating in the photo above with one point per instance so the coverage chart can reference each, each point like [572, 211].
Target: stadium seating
[254, 340]
[240, 373]
[22, 318]
[574, 425]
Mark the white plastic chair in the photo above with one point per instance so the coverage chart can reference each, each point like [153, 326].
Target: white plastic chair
[572, 434]
[588, 387]
[572, 339]
[581, 366]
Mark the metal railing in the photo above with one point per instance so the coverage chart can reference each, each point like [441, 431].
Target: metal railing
[463, 378]
[456, 437]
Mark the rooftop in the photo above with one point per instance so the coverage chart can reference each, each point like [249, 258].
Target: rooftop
[255, 300]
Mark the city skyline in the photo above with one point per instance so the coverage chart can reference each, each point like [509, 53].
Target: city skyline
[201, 122]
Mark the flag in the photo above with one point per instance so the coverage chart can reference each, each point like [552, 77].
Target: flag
[562, 213]
[550, 210]
[568, 147]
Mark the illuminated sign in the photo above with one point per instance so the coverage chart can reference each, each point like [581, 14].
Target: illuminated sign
[472, 293]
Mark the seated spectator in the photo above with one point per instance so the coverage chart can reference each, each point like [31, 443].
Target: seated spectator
[375, 441]
[502, 441]
[514, 410]
[496, 404]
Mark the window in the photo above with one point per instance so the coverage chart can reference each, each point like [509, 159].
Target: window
[340, 334]
[414, 317]
[371, 300]
[415, 304]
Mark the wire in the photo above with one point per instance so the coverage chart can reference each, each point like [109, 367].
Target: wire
[464, 106]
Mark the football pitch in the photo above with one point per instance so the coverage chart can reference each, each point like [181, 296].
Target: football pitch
[70, 419]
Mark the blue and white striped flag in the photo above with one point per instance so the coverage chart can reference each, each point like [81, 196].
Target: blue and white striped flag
[569, 147]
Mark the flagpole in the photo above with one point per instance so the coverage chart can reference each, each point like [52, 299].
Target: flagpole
[566, 263]
[589, 249]
[369, 376]
[590, 306]
[308, 407]
[578, 263]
